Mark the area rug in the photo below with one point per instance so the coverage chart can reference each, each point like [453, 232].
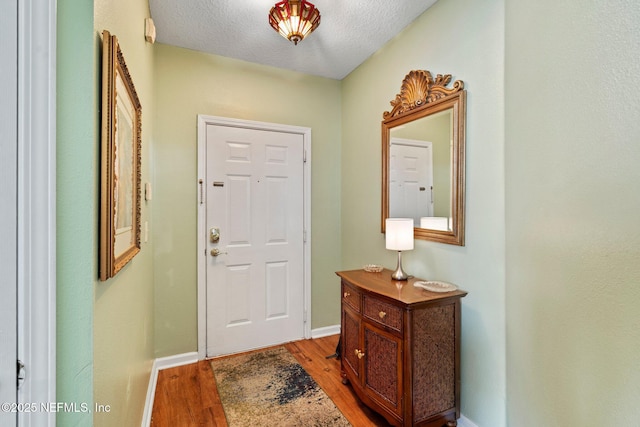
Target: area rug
[270, 388]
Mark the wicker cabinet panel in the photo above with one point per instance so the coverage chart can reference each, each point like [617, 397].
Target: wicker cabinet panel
[383, 367]
[350, 342]
[383, 313]
[434, 375]
[401, 348]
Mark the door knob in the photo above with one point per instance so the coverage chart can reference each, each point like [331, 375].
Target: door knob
[216, 252]
[214, 235]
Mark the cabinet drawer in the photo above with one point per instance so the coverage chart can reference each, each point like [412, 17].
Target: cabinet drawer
[351, 296]
[383, 313]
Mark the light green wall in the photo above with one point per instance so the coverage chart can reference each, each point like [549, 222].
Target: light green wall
[464, 38]
[438, 129]
[188, 83]
[123, 312]
[77, 208]
[442, 128]
[573, 203]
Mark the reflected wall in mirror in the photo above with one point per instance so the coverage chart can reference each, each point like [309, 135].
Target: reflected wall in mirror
[423, 146]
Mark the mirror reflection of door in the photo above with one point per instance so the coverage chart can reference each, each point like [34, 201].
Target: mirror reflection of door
[410, 179]
[420, 178]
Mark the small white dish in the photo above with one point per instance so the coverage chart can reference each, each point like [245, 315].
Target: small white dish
[373, 268]
[435, 286]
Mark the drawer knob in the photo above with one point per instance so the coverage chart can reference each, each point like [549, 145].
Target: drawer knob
[359, 354]
[347, 294]
[382, 314]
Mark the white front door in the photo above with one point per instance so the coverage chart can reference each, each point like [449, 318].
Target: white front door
[8, 212]
[254, 202]
[410, 179]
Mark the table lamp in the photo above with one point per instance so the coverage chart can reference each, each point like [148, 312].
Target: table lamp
[399, 237]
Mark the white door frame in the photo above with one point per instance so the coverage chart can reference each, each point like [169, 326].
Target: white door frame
[203, 121]
[37, 206]
[8, 210]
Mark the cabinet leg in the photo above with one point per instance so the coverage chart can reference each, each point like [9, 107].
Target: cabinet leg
[345, 380]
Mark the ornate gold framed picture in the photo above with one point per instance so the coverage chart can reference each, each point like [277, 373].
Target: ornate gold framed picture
[120, 163]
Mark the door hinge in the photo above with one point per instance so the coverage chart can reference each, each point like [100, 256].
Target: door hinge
[304, 156]
[21, 374]
[304, 236]
[304, 316]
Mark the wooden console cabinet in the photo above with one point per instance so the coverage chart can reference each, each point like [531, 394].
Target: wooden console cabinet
[400, 348]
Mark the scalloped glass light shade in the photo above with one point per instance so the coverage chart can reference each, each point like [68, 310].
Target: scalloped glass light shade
[294, 19]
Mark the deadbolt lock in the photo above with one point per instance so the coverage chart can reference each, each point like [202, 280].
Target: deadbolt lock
[214, 235]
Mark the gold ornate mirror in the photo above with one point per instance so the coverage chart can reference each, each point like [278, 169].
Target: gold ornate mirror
[423, 157]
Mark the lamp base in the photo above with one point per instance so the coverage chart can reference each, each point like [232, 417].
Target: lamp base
[399, 274]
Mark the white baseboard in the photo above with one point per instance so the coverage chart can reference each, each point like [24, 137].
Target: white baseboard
[465, 422]
[158, 365]
[151, 392]
[176, 360]
[325, 331]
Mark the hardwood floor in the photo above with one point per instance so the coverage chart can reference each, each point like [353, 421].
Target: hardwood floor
[186, 396]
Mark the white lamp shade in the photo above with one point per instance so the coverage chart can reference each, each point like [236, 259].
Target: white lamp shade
[399, 234]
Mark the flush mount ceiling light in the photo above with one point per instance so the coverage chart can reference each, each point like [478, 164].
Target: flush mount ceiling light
[294, 19]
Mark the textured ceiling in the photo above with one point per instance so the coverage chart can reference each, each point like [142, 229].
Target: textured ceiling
[350, 31]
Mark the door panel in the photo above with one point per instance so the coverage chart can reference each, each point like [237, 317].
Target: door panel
[237, 296]
[255, 285]
[276, 213]
[277, 290]
[239, 202]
